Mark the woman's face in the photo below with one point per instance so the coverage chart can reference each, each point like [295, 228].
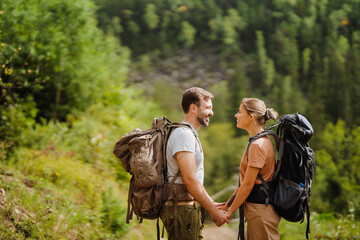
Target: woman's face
[243, 118]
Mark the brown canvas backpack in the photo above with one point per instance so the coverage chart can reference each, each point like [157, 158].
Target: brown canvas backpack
[142, 154]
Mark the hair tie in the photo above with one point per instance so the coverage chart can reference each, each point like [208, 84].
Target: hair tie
[268, 114]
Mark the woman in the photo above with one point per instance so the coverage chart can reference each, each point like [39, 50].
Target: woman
[262, 219]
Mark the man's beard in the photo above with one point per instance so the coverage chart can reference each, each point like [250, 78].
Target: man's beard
[203, 121]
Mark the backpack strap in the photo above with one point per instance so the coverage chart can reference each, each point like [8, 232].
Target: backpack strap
[176, 125]
[158, 229]
[266, 189]
[307, 205]
[241, 234]
[280, 154]
[129, 213]
[175, 199]
[171, 126]
[264, 133]
[175, 204]
[308, 219]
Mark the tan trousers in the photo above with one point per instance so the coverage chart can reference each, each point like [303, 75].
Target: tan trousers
[262, 222]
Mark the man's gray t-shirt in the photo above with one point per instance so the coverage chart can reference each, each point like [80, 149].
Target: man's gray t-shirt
[184, 139]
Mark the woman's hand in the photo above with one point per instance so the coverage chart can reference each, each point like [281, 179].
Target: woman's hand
[220, 206]
[228, 215]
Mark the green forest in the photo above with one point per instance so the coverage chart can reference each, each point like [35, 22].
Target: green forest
[76, 75]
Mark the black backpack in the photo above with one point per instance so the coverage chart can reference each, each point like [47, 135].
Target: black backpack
[290, 189]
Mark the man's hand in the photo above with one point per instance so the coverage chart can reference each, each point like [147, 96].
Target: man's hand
[219, 218]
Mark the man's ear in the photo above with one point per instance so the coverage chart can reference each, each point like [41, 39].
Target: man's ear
[193, 108]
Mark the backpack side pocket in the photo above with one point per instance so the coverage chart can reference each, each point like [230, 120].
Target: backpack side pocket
[287, 193]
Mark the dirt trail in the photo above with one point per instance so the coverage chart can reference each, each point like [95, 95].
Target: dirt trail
[211, 232]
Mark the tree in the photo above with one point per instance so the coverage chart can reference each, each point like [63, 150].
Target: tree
[337, 179]
[266, 65]
[56, 61]
[55, 40]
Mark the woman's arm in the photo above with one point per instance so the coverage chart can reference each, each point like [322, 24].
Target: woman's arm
[226, 205]
[244, 190]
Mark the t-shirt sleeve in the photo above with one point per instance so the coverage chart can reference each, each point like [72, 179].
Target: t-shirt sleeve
[181, 140]
[257, 156]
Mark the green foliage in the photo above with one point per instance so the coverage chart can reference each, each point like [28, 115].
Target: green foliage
[222, 163]
[223, 111]
[187, 34]
[266, 65]
[287, 97]
[70, 169]
[64, 170]
[49, 203]
[53, 51]
[18, 119]
[150, 16]
[309, 44]
[112, 214]
[336, 185]
[322, 226]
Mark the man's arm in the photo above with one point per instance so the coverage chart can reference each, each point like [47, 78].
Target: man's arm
[186, 162]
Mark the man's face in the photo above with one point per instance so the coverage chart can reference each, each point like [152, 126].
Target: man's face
[204, 112]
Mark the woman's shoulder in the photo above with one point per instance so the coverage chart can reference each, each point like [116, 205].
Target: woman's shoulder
[263, 142]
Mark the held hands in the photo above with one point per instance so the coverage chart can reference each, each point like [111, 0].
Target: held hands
[219, 217]
[223, 207]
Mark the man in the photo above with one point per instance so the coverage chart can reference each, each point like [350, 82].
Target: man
[185, 162]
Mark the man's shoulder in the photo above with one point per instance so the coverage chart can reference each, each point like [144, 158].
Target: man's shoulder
[182, 131]
[181, 139]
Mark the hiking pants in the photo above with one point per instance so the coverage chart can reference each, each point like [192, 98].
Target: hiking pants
[262, 222]
[189, 222]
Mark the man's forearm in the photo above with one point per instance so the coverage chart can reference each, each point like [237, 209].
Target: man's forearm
[201, 196]
[186, 161]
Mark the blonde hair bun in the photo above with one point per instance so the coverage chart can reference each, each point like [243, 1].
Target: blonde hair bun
[271, 114]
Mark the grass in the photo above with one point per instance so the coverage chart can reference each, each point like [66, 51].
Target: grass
[52, 196]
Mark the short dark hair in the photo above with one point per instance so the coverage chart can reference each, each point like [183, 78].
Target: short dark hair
[194, 95]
